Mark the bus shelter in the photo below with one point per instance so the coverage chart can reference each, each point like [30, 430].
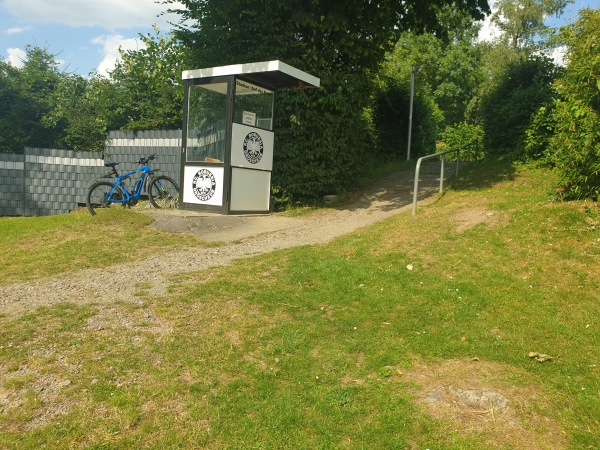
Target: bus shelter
[227, 140]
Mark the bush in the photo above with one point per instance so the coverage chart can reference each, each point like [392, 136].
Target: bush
[539, 133]
[391, 111]
[507, 110]
[567, 133]
[321, 138]
[461, 134]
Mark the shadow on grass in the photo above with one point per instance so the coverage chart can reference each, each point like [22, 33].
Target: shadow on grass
[396, 190]
[484, 174]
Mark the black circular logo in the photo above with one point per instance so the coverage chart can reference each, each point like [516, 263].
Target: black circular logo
[204, 185]
[253, 147]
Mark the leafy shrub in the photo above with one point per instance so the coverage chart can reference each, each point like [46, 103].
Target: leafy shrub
[391, 111]
[506, 111]
[461, 134]
[322, 137]
[575, 149]
[539, 133]
[567, 133]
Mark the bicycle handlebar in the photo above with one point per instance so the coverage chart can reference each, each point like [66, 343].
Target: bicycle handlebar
[144, 161]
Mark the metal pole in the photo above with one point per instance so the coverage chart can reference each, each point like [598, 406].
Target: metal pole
[457, 160]
[416, 188]
[410, 115]
[442, 174]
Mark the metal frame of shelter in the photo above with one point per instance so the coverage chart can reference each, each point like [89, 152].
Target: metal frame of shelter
[227, 140]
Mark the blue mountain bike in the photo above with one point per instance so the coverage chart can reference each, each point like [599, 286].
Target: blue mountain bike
[163, 191]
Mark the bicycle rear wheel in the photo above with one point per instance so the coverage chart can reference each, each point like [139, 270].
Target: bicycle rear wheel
[99, 197]
[163, 193]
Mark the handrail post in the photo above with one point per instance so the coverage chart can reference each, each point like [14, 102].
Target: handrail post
[457, 160]
[468, 146]
[442, 173]
[416, 187]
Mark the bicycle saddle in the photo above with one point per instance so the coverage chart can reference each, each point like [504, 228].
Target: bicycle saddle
[113, 164]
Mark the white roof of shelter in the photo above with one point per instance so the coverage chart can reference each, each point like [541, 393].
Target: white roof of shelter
[275, 74]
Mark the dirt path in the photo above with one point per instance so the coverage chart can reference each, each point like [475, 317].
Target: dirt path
[244, 236]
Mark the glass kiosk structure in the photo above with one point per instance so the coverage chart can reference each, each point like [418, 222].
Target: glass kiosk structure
[227, 141]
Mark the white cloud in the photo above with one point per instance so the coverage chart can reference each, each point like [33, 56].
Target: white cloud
[16, 30]
[558, 55]
[107, 14]
[16, 56]
[489, 31]
[110, 45]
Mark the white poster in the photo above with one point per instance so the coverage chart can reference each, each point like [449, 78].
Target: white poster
[252, 147]
[203, 185]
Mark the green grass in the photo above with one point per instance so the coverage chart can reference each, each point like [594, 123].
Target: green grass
[334, 346]
[38, 247]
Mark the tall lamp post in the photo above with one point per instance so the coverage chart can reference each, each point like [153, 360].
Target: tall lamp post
[413, 70]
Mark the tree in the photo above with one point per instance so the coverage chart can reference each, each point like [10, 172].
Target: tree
[44, 107]
[522, 21]
[391, 118]
[322, 136]
[12, 136]
[353, 33]
[75, 116]
[449, 67]
[30, 97]
[144, 91]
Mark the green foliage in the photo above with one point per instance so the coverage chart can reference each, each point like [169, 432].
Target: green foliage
[522, 21]
[391, 110]
[29, 94]
[461, 134]
[448, 68]
[43, 107]
[12, 136]
[321, 138]
[539, 133]
[567, 134]
[144, 90]
[516, 80]
[75, 114]
[53, 109]
[507, 108]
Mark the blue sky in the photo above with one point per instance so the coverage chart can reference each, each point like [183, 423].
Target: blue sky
[85, 34]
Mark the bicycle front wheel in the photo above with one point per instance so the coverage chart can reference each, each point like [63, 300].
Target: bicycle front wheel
[163, 193]
[99, 196]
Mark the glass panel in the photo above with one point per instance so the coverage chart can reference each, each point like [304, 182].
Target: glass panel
[253, 105]
[207, 114]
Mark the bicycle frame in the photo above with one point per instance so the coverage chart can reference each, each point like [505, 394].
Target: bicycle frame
[139, 186]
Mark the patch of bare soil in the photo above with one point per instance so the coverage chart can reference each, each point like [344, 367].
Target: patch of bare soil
[467, 218]
[482, 398]
[39, 398]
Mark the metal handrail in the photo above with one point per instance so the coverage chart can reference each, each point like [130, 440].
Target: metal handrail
[443, 155]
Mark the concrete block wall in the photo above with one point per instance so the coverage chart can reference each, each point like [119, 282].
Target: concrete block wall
[44, 182]
[12, 192]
